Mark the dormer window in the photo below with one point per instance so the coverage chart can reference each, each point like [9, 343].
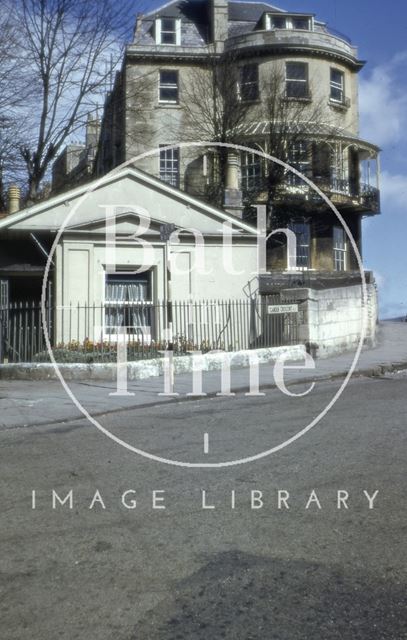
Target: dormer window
[294, 21]
[168, 31]
[277, 22]
[301, 23]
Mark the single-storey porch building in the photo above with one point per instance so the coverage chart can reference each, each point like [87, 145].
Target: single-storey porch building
[112, 263]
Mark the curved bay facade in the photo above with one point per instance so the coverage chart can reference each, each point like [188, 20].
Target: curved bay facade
[279, 83]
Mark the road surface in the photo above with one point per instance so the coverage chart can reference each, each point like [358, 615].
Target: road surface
[221, 560]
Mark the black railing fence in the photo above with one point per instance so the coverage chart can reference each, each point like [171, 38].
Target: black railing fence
[366, 195]
[90, 333]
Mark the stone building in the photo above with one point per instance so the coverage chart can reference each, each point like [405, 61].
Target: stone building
[162, 97]
[274, 82]
[75, 164]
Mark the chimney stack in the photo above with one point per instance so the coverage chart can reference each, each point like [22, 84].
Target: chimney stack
[139, 24]
[13, 199]
[220, 22]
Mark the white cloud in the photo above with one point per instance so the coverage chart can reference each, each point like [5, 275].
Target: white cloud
[393, 191]
[383, 102]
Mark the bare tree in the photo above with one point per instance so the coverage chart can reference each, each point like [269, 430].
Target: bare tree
[14, 92]
[288, 126]
[214, 111]
[71, 47]
[217, 110]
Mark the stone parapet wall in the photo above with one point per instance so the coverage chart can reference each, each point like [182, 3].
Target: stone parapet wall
[331, 320]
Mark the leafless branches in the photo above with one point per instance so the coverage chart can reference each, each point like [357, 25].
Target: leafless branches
[72, 45]
[213, 112]
[289, 121]
[57, 58]
[14, 92]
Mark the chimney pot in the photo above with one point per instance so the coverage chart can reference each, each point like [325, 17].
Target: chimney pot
[13, 198]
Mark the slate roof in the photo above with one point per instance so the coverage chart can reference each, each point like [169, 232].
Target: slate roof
[197, 10]
[243, 18]
[188, 10]
[249, 11]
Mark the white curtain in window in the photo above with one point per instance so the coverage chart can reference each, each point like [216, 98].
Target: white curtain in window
[127, 314]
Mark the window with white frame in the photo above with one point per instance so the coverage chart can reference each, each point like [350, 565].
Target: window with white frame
[128, 303]
[169, 166]
[339, 246]
[296, 80]
[249, 82]
[337, 86]
[302, 231]
[168, 88]
[302, 22]
[251, 171]
[168, 31]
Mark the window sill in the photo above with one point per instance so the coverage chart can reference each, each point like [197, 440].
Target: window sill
[168, 105]
[250, 102]
[341, 106]
[298, 98]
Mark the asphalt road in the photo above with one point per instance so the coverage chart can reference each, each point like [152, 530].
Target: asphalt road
[188, 573]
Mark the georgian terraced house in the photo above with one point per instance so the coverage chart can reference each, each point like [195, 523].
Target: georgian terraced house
[160, 99]
[273, 82]
[166, 68]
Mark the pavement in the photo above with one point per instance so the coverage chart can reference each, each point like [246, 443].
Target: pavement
[42, 402]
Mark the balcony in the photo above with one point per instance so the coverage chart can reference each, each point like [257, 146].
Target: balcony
[344, 194]
[348, 193]
[296, 40]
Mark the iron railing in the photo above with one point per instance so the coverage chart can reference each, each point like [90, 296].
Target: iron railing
[339, 34]
[90, 333]
[292, 185]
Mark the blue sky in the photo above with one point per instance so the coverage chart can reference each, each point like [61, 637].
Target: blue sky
[380, 31]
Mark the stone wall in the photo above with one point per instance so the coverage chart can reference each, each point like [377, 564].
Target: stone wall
[331, 320]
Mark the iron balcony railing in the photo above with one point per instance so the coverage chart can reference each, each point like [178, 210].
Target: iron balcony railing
[339, 34]
[292, 185]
